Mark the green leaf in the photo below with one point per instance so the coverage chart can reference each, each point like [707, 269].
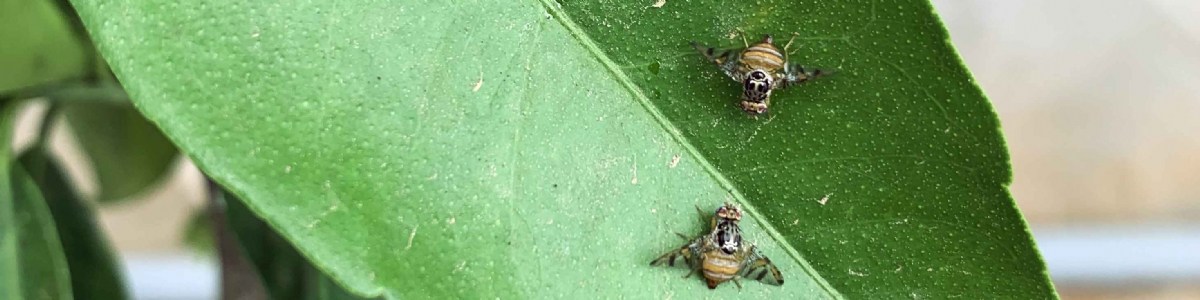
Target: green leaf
[39, 47]
[43, 268]
[540, 150]
[94, 269]
[109, 92]
[10, 234]
[198, 233]
[128, 153]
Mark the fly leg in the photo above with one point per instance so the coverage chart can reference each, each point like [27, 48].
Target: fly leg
[794, 74]
[743, 35]
[789, 44]
[682, 236]
[692, 271]
[704, 217]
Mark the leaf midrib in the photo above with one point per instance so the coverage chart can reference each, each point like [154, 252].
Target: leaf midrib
[677, 135]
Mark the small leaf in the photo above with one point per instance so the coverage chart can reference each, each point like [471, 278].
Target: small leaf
[198, 234]
[93, 267]
[128, 153]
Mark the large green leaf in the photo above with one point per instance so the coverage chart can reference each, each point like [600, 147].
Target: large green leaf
[523, 148]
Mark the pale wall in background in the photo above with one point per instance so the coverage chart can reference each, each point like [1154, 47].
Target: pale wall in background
[1099, 102]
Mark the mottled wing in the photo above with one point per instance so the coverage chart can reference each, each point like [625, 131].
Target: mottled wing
[795, 74]
[688, 253]
[726, 59]
[758, 267]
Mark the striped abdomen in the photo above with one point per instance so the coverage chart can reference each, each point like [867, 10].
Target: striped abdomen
[719, 267]
[762, 56]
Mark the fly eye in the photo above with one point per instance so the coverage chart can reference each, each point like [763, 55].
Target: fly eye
[758, 75]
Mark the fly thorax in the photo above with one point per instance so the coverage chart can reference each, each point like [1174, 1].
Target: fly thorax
[757, 85]
[728, 237]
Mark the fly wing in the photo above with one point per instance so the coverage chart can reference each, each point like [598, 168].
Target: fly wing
[689, 253]
[758, 267]
[795, 74]
[726, 59]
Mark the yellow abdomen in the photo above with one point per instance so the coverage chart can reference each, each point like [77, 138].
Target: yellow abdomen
[719, 267]
[762, 56]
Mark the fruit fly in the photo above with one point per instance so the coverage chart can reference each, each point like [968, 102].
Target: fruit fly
[721, 255]
[760, 68]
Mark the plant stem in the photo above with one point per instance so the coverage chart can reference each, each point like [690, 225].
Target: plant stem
[239, 279]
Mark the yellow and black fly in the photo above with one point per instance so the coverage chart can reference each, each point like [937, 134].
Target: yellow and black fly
[721, 255]
[760, 68]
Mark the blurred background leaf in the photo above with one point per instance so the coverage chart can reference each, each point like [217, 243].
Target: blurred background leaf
[95, 271]
[39, 47]
[43, 270]
[127, 152]
[198, 234]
